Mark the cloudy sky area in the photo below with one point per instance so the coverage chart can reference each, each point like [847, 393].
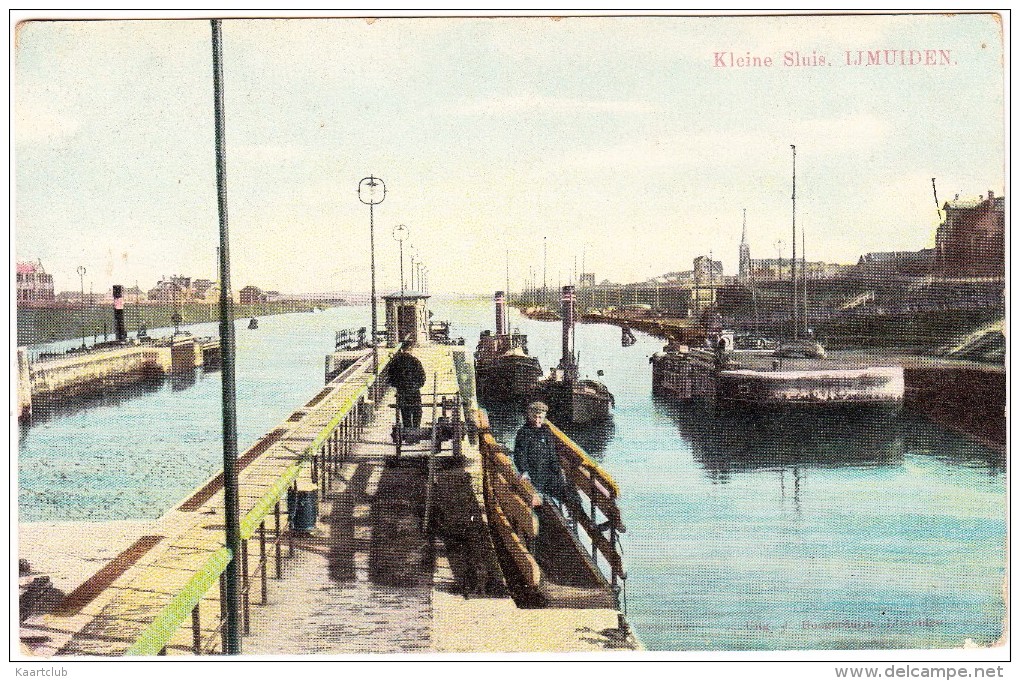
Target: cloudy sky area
[616, 138]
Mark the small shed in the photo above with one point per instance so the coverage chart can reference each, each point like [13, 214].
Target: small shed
[407, 316]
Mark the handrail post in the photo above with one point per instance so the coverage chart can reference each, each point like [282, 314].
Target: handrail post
[264, 562]
[196, 630]
[245, 587]
[276, 543]
[223, 614]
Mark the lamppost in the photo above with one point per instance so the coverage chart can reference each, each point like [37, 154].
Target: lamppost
[81, 277]
[413, 254]
[372, 190]
[400, 233]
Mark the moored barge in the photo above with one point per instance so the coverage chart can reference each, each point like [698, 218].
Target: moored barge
[769, 379]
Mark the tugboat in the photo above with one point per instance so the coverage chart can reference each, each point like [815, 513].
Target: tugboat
[503, 369]
[571, 400]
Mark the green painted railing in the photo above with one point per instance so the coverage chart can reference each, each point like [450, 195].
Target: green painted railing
[157, 635]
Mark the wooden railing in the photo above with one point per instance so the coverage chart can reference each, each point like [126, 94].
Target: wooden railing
[508, 504]
[601, 491]
[508, 501]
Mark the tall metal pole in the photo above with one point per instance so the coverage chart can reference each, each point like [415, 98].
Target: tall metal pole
[231, 595]
[803, 276]
[413, 288]
[506, 310]
[81, 278]
[400, 233]
[545, 269]
[369, 193]
[793, 260]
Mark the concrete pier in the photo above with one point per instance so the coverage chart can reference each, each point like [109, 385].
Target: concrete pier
[72, 375]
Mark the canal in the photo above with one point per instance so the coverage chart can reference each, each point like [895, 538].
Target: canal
[744, 532]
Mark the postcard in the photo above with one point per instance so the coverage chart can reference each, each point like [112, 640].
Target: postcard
[615, 337]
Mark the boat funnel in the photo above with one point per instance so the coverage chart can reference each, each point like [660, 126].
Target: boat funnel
[118, 313]
[500, 313]
[569, 298]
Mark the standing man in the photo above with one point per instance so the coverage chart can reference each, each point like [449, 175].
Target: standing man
[407, 375]
[536, 458]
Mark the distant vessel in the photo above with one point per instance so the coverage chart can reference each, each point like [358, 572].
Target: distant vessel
[253, 324]
[572, 400]
[800, 375]
[627, 338]
[503, 369]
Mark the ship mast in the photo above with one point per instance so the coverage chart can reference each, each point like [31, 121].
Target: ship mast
[793, 260]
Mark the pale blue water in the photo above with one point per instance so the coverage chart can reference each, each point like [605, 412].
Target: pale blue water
[811, 532]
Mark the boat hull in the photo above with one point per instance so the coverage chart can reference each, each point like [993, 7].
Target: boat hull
[689, 377]
[575, 402]
[509, 378]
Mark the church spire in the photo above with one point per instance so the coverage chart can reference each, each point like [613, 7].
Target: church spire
[744, 272]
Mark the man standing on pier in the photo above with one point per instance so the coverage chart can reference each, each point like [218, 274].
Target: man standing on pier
[407, 375]
[536, 458]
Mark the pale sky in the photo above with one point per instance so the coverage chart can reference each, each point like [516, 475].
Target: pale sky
[617, 138]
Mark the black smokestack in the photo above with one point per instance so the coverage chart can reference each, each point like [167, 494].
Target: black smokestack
[568, 324]
[500, 313]
[118, 313]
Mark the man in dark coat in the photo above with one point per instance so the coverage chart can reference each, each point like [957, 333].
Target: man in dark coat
[407, 375]
[536, 458]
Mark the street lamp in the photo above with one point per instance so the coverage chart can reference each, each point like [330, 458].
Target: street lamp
[400, 233]
[372, 190]
[81, 277]
[413, 254]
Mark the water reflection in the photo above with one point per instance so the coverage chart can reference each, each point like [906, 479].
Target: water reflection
[922, 437]
[44, 410]
[728, 441]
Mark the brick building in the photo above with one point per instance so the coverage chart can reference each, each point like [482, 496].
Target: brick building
[971, 241]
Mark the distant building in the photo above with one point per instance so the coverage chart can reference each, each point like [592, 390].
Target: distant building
[971, 241]
[877, 266]
[778, 269]
[34, 285]
[176, 290]
[200, 288]
[250, 295]
[707, 271]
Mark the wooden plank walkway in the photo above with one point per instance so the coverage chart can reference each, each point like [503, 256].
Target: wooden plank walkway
[371, 580]
[368, 578]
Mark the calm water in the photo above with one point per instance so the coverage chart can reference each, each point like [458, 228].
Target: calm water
[743, 532]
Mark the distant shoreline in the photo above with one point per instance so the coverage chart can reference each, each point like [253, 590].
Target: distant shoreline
[38, 325]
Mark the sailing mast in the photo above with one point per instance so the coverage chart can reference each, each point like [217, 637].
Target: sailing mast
[803, 276]
[793, 260]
